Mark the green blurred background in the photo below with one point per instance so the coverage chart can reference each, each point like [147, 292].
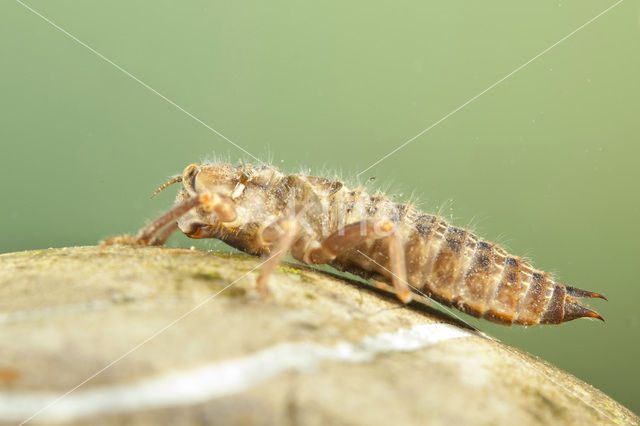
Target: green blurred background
[546, 163]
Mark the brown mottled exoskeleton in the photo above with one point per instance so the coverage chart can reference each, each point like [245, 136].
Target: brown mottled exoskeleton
[261, 211]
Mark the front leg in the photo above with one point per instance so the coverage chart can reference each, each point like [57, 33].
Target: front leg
[158, 231]
[359, 232]
[283, 233]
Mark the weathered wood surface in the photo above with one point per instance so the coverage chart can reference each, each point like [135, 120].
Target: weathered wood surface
[318, 350]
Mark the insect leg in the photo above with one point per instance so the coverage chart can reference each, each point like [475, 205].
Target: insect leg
[164, 234]
[398, 268]
[284, 232]
[346, 238]
[219, 204]
[355, 233]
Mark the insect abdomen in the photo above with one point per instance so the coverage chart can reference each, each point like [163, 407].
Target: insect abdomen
[481, 279]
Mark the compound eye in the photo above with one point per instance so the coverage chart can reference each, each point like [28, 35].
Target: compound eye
[189, 177]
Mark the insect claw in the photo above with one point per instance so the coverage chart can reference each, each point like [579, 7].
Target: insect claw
[578, 292]
[574, 310]
[262, 288]
[122, 240]
[405, 296]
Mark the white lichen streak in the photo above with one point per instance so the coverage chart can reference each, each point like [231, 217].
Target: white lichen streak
[217, 380]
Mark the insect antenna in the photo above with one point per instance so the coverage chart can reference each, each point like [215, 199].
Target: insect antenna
[173, 180]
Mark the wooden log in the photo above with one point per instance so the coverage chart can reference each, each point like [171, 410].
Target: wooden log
[173, 336]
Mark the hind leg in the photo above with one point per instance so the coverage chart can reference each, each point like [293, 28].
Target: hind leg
[356, 233]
